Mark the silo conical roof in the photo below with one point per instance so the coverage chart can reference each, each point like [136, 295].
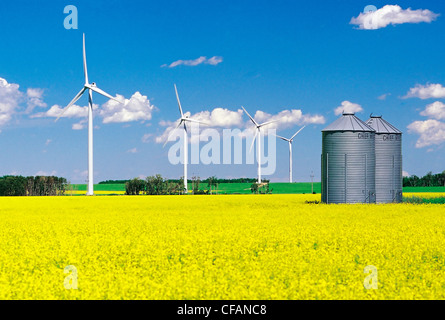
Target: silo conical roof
[381, 126]
[348, 122]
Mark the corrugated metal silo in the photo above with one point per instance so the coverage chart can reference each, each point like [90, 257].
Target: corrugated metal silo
[388, 162]
[348, 161]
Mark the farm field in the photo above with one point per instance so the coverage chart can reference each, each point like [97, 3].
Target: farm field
[99, 189]
[424, 189]
[218, 247]
[223, 188]
[240, 188]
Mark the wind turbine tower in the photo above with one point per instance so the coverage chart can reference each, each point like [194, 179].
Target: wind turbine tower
[90, 87]
[182, 121]
[258, 133]
[290, 151]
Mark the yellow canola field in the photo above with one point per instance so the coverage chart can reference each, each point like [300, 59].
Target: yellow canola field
[100, 192]
[219, 247]
[424, 194]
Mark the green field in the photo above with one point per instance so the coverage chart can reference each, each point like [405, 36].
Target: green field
[424, 189]
[99, 187]
[275, 188]
[244, 188]
[223, 188]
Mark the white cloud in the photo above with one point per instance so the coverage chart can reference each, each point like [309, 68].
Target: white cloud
[435, 110]
[146, 137]
[349, 107]
[48, 141]
[432, 132]
[137, 108]
[134, 150]
[170, 126]
[391, 14]
[214, 60]
[10, 98]
[287, 118]
[383, 96]
[34, 96]
[426, 91]
[165, 123]
[80, 125]
[220, 118]
[191, 63]
[45, 173]
[74, 111]
[405, 174]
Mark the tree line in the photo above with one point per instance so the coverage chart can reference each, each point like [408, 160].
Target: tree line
[261, 188]
[153, 185]
[217, 180]
[114, 181]
[429, 180]
[32, 186]
[157, 185]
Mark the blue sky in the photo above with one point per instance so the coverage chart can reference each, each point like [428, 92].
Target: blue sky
[268, 56]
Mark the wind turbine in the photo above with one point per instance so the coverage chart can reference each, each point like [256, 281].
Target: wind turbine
[290, 151]
[182, 121]
[258, 133]
[90, 87]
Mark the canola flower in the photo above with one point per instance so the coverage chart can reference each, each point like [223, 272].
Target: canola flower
[427, 195]
[96, 192]
[219, 247]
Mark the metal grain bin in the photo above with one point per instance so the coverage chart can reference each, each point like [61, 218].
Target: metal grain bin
[388, 160]
[348, 161]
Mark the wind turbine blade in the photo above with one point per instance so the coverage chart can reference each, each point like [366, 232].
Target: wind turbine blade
[253, 141]
[96, 89]
[268, 122]
[171, 133]
[254, 122]
[297, 132]
[196, 121]
[77, 97]
[179, 102]
[90, 99]
[283, 138]
[85, 60]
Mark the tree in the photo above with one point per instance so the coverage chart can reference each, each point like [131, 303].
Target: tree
[429, 180]
[135, 186]
[195, 184]
[442, 178]
[212, 182]
[175, 187]
[262, 188]
[254, 187]
[149, 185]
[32, 186]
[160, 185]
[156, 185]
